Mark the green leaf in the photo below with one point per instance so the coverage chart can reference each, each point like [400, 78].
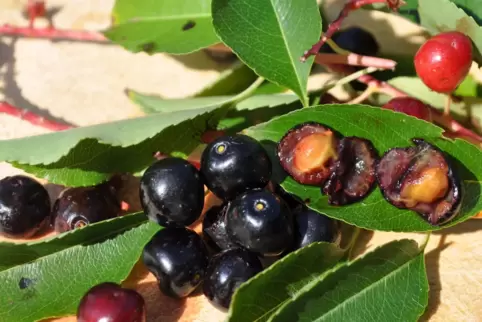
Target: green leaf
[172, 26]
[388, 284]
[52, 284]
[230, 82]
[89, 155]
[448, 17]
[14, 254]
[258, 299]
[386, 129]
[270, 37]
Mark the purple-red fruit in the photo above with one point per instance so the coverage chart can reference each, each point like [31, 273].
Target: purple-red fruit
[444, 60]
[109, 302]
[353, 173]
[24, 207]
[307, 151]
[420, 178]
[410, 106]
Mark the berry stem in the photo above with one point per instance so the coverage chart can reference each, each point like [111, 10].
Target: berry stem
[353, 59]
[335, 25]
[448, 101]
[52, 33]
[32, 118]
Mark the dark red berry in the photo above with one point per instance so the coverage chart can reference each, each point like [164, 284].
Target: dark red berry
[410, 106]
[178, 259]
[311, 226]
[420, 178]
[109, 302]
[24, 207]
[307, 151]
[353, 173]
[234, 164]
[226, 272]
[261, 222]
[214, 228]
[444, 60]
[172, 192]
[80, 206]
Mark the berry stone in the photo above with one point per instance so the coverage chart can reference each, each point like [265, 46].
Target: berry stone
[24, 207]
[178, 259]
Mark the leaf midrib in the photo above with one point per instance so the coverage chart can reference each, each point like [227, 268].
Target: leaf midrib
[372, 285]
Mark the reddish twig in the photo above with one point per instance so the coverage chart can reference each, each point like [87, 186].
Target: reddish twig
[32, 118]
[352, 5]
[353, 59]
[51, 33]
[35, 8]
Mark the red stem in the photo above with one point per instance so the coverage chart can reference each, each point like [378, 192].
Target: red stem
[352, 5]
[32, 118]
[353, 59]
[52, 33]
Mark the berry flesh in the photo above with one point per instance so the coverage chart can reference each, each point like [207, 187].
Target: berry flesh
[307, 151]
[178, 259]
[109, 302]
[421, 179]
[260, 222]
[410, 106]
[214, 228]
[444, 60]
[80, 206]
[172, 192]
[24, 207]
[234, 164]
[226, 272]
[311, 227]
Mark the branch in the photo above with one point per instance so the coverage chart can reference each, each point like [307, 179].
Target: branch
[335, 25]
[353, 59]
[32, 118]
[52, 33]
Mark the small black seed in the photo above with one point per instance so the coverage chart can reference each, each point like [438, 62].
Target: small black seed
[189, 25]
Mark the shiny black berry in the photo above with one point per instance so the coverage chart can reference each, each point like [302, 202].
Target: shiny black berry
[24, 207]
[214, 228]
[355, 40]
[172, 192]
[261, 222]
[226, 272]
[178, 259]
[80, 206]
[234, 164]
[311, 227]
[109, 302]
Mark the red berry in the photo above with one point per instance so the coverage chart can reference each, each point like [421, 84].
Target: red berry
[410, 106]
[444, 60]
[110, 302]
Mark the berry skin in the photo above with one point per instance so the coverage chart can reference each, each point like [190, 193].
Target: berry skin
[410, 106]
[172, 192]
[444, 60]
[24, 207]
[234, 164]
[214, 228]
[314, 227]
[80, 206]
[109, 302]
[260, 222]
[178, 259]
[226, 272]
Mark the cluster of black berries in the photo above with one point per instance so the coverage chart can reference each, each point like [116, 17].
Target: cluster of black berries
[255, 221]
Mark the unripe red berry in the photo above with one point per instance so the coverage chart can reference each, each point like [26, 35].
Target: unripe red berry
[410, 106]
[444, 60]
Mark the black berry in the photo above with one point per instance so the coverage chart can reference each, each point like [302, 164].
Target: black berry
[172, 192]
[311, 227]
[355, 40]
[80, 206]
[214, 228]
[110, 302]
[178, 259]
[24, 207]
[261, 222]
[226, 272]
[234, 164]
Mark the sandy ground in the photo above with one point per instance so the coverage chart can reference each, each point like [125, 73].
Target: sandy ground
[83, 84]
